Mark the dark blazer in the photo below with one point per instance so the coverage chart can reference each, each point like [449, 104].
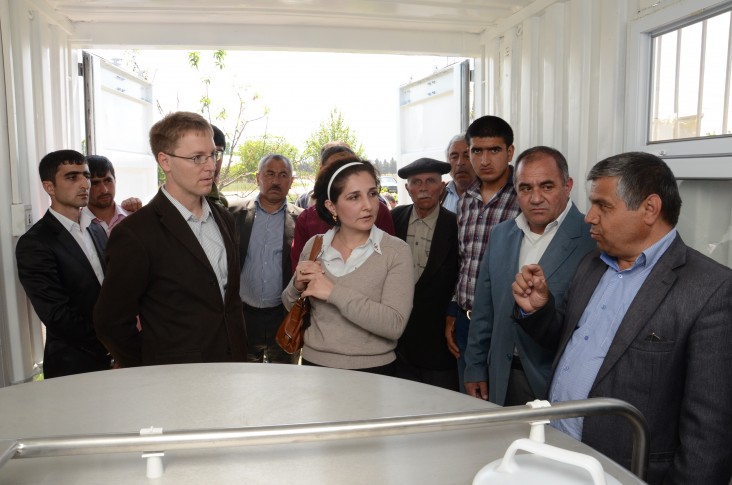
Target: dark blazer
[671, 358]
[157, 269]
[493, 332]
[244, 213]
[62, 287]
[423, 341]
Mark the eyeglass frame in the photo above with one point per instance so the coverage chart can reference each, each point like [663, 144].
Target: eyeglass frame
[216, 156]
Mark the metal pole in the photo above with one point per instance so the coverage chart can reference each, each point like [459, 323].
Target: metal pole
[301, 433]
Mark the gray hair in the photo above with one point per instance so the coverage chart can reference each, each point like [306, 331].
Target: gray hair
[274, 156]
[640, 175]
[458, 137]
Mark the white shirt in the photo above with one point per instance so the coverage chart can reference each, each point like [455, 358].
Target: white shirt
[333, 260]
[534, 245]
[83, 238]
[209, 237]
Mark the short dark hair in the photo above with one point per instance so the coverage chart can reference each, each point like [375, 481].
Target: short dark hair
[49, 164]
[533, 153]
[320, 190]
[640, 175]
[332, 150]
[489, 127]
[218, 137]
[164, 134]
[99, 165]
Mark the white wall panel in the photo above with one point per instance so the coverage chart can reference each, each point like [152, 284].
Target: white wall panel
[561, 81]
[38, 76]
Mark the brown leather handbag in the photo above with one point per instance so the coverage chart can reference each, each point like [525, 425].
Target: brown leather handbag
[290, 335]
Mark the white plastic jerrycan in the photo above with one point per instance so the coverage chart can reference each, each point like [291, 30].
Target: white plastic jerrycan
[545, 464]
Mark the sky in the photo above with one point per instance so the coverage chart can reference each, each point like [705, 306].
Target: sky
[299, 89]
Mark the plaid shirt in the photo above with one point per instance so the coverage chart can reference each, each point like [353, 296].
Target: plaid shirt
[475, 221]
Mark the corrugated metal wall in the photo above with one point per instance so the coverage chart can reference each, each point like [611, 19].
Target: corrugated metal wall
[37, 116]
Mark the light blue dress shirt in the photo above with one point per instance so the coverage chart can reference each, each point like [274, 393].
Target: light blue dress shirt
[586, 350]
[261, 278]
[451, 197]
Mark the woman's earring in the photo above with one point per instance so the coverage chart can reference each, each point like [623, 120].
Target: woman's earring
[335, 218]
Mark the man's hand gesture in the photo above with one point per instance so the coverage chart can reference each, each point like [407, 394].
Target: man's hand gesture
[530, 290]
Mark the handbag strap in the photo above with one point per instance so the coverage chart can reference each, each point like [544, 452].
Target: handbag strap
[317, 245]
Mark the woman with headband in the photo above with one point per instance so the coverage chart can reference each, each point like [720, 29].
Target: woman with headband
[308, 223]
[361, 284]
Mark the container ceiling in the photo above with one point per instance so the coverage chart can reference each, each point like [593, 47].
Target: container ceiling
[466, 16]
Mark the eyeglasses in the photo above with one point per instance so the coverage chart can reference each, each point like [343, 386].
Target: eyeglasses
[201, 159]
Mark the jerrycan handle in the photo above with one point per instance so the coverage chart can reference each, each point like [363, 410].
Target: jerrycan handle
[509, 465]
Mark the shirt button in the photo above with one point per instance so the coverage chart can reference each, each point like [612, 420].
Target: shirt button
[603, 307]
[587, 337]
[509, 356]
[565, 368]
[620, 276]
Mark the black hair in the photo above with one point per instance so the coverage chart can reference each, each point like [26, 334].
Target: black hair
[218, 137]
[332, 150]
[49, 164]
[490, 127]
[530, 154]
[99, 165]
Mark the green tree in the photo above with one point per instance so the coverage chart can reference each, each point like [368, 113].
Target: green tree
[253, 149]
[334, 128]
[232, 122]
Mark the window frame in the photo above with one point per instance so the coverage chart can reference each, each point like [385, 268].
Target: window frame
[698, 158]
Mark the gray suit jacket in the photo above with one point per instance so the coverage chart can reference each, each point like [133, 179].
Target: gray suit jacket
[671, 358]
[493, 331]
[244, 213]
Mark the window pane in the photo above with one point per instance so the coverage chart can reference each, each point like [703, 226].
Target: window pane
[691, 81]
[715, 75]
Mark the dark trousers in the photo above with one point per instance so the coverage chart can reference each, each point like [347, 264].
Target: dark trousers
[383, 370]
[262, 325]
[445, 378]
[519, 390]
[462, 328]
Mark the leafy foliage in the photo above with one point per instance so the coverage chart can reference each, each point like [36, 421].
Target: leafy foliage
[233, 123]
[253, 149]
[334, 128]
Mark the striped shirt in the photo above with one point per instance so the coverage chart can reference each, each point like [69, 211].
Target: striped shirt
[475, 221]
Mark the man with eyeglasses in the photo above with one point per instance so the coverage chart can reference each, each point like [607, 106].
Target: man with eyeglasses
[175, 262]
[266, 225]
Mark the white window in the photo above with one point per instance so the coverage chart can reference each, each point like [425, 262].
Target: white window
[690, 95]
[679, 78]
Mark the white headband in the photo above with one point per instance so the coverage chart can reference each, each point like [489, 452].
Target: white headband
[336, 174]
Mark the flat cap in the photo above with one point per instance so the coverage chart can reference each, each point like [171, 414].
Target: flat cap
[424, 165]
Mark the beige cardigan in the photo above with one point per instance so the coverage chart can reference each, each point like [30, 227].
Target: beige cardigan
[358, 326]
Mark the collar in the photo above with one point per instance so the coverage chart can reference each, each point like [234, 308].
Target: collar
[523, 224]
[429, 221]
[327, 253]
[450, 187]
[65, 221]
[259, 206]
[648, 257]
[188, 215]
[474, 189]
[118, 212]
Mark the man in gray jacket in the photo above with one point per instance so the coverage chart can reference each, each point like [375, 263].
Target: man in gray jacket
[504, 364]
